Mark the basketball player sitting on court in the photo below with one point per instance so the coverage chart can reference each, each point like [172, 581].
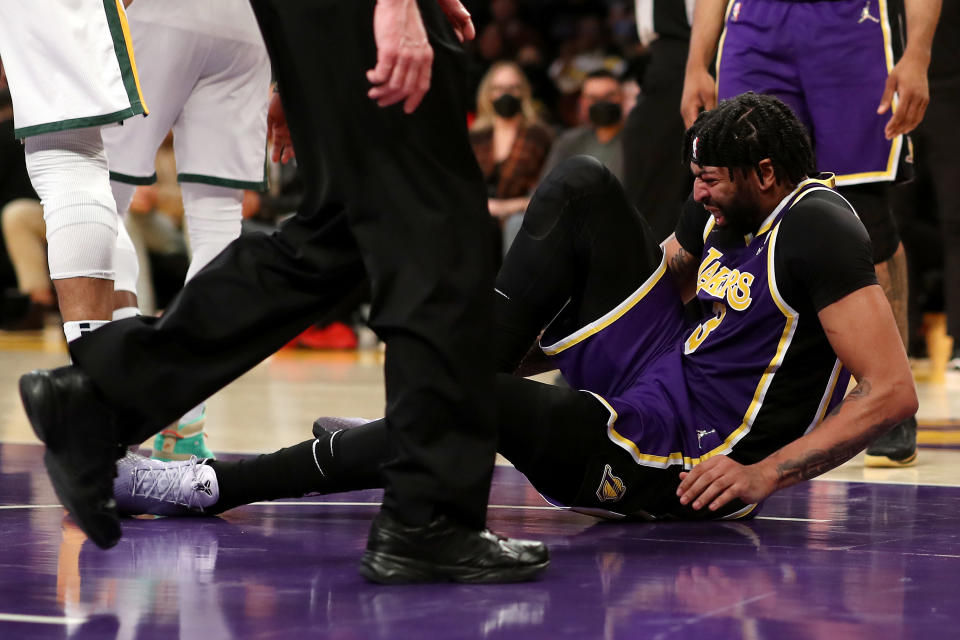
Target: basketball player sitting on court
[675, 419]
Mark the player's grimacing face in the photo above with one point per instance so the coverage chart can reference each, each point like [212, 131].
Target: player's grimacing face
[731, 202]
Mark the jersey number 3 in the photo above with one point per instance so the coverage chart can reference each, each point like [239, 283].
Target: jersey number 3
[705, 329]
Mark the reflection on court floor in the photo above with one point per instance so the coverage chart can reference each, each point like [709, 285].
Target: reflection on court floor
[862, 553]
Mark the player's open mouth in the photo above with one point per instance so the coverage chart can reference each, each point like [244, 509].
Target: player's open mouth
[717, 215]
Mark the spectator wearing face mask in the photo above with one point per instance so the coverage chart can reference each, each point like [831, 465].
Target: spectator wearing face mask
[599, 135]
[510, 143]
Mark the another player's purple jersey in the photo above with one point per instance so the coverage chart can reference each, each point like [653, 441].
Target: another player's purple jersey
[678, 394]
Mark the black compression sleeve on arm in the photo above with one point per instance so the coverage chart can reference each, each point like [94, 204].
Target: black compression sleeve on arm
[690, 226]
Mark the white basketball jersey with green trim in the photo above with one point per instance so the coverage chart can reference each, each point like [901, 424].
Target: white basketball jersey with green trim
[69, 64]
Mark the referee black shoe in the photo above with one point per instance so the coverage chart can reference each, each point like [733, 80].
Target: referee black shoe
[80, 434]
[445, 551]
[895, 448]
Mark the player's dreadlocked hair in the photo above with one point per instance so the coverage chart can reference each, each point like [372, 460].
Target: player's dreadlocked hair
[742, 131]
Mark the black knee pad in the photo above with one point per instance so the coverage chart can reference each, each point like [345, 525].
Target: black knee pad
[872, 203]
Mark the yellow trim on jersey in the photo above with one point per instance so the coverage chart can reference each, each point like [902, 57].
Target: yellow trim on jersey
[890, 172]
[768, 222]
[742, 513]
[612, 316]
[653, 460]
[723, 37]
[133, 63]
[707, 228]
[785, 338]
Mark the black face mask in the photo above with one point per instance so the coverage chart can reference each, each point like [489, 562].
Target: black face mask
[605, 113]
[507, 105]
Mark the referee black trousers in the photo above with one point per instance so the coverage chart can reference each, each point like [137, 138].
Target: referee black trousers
[654, 175]
[396, 197]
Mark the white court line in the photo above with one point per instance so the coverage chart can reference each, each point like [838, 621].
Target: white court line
[377, 504]
[492, 506]
[30, 506]
[911, 483]
[16, 617]
[784, 519]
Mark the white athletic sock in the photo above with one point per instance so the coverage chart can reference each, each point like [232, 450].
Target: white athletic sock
[213, 216]
[125, 261]
[125, 312]
[194, 414]
[76, 328]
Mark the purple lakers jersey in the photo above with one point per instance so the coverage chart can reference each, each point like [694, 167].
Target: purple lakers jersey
[755, 374]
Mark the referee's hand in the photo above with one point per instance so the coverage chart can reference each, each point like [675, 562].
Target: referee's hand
[459, 19]
[404, 55]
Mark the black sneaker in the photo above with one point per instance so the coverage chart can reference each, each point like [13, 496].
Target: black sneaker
[445, 551]
[79, 432]
[895, 448]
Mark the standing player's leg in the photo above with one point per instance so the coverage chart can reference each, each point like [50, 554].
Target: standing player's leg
[219, 138]
[849, 140]
[68, 169]
[125, 259]
[212, 214]
[64, 149]
[415, 199]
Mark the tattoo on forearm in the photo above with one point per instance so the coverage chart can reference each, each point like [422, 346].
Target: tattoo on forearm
[680, 264]
[862, 389]
[818, 461]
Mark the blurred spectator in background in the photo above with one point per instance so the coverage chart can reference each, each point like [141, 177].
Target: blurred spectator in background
[510, 143]
[655, 178]
[587, 53]
[25, 299]
[515, 33]
[599, 134]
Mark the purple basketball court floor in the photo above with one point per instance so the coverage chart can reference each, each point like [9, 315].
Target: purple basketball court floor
[825, 559]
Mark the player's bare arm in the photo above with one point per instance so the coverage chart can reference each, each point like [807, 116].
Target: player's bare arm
[699, 88]
[862, 332]
[908, 78]
[683, 267]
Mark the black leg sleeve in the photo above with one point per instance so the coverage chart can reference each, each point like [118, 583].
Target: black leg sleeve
[582, 248]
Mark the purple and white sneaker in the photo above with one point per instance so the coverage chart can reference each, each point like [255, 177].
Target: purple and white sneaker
[177, 488]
